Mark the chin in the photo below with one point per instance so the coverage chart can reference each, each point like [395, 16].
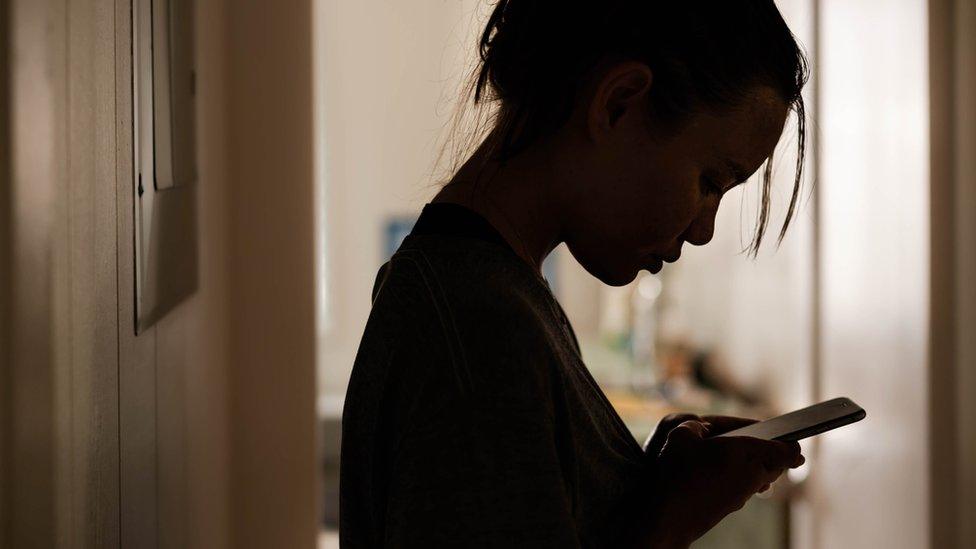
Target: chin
[619, 281]
[608, 269]
[613, 277]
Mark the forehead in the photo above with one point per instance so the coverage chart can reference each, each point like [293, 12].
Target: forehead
[745, 134]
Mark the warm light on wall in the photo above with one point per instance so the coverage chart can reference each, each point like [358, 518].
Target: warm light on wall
[874, 227]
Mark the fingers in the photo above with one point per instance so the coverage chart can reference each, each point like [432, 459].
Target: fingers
[765, 460]
[654, 443]
[673, 420]
[783, 456]
[690, 429]
[773, 454]
[768, 477]
[787, 455]
[724, 424]
[688, 432]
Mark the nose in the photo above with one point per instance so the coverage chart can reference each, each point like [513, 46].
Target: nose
[702, 229]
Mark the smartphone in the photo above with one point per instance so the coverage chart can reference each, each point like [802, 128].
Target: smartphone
[805, 422]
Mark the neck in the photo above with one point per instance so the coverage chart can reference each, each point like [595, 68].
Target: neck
[514, 197]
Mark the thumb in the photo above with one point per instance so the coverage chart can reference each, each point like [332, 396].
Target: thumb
[689, 432]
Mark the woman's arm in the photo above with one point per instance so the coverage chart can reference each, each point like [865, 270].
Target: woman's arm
[474, 461]
[479, 473]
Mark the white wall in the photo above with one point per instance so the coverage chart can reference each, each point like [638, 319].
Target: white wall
[870, 485]
[387, 75]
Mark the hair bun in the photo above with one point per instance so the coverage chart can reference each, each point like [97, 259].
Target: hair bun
[528, 46]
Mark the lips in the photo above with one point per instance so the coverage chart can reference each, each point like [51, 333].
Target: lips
[656, 262]
[674, 256]
[655, 265]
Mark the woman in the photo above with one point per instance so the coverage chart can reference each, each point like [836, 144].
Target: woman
[470, 419]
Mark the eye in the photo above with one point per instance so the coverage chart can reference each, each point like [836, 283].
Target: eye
[710, 185]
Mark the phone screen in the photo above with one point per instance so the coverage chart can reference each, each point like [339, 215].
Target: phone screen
[805, 422]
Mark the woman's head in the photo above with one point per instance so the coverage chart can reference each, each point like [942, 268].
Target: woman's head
[653, 108]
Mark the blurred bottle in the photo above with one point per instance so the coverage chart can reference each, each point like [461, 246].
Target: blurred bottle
[643, 341]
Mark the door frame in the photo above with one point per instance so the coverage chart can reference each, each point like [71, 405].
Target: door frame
[952, 385]
[29, 85]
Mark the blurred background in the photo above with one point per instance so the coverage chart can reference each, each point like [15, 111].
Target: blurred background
[841, 308]
[133, 418]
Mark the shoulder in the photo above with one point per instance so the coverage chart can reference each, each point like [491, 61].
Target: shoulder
[483, 294]
[453, 339]
[475, 304]
[479, 282]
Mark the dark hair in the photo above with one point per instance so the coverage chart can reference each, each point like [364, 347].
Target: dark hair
[705, 54]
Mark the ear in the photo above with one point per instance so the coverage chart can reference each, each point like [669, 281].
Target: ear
[622, 91]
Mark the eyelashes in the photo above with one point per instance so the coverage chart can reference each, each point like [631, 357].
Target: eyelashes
[710, 186]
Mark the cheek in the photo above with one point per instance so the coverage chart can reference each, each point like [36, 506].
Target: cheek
[620, 204]
[675, 204]
[641, 210]
[636, 203]
[630, 219]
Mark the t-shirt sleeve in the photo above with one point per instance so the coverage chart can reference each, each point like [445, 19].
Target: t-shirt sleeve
[477, 462]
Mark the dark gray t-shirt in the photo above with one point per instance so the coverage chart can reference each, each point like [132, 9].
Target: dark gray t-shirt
[470, 419]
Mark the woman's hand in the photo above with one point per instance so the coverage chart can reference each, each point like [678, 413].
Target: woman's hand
[716, 426]
[700, 479]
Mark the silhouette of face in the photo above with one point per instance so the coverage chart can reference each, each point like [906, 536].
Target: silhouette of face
[635, 195]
